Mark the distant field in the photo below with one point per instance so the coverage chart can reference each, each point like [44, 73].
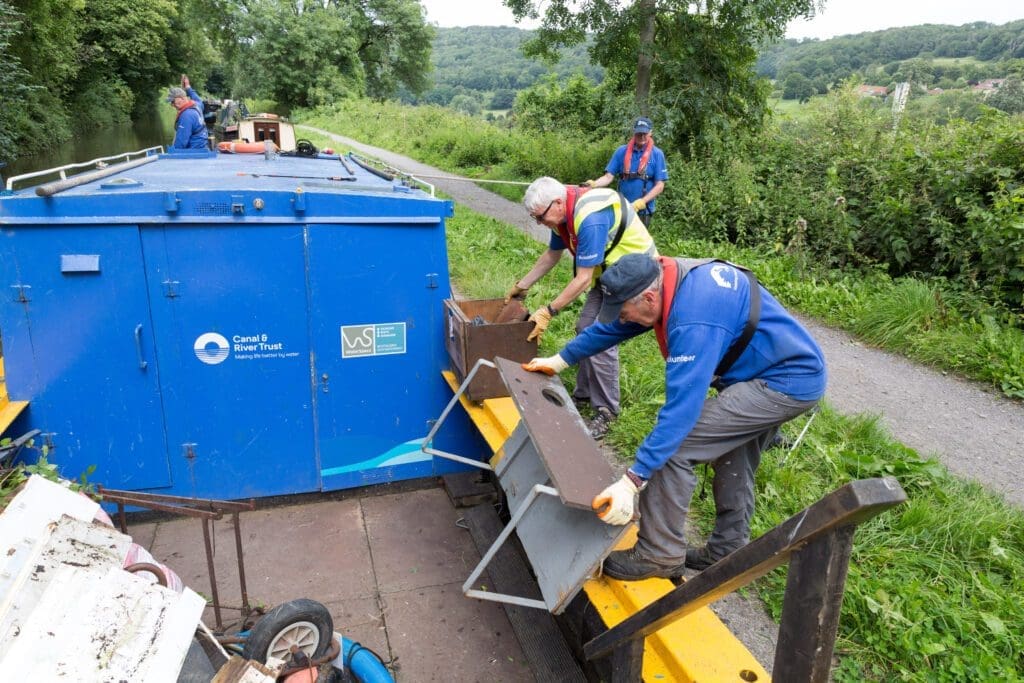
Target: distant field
[948, 61]
[791, 109]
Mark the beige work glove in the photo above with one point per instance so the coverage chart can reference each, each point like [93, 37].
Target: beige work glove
[615, 504]
[516, 292]
[541, 318]
[589, 183]
[552, 365]
[639, 204]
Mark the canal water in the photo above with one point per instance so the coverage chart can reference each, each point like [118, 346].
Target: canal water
[149, 131]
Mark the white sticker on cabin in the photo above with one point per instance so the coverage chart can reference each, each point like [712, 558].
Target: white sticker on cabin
[380, 339]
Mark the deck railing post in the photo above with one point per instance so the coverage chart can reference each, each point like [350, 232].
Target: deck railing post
[628, 662]
[810, 607]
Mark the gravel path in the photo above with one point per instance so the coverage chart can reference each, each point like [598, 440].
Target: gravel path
[975, 433]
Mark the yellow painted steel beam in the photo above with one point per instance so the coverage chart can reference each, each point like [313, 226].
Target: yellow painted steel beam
[9, 410]
[698, 647]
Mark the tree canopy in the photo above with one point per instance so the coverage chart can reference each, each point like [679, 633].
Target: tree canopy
[688, 64]
[951, 55]
[76, 64]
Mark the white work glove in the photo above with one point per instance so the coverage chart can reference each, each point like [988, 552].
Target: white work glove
[615, 504]
[516, 292]
[589, 183]
[541, 318]
[552, 365]
[639, 205]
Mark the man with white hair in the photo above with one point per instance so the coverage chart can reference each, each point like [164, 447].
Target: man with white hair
[598, 227]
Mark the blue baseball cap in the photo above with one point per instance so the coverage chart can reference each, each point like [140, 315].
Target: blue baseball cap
[642, 125]
[627, 277]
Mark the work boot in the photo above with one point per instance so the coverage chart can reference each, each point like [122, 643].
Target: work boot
[699, 558]
[581, 402]
[603, 419]
[780, 440]
[630, 565]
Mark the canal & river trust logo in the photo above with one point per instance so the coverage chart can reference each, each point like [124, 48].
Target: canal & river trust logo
[211, 348]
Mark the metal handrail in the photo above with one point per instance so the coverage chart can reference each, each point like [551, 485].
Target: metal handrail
[101, 162]
[815, 542]
[371, 161]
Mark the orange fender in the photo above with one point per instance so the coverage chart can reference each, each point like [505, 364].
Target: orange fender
[243, 147]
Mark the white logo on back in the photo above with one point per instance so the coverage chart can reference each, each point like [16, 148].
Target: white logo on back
[716, 274]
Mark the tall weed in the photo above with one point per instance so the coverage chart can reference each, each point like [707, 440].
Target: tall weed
[892, 318]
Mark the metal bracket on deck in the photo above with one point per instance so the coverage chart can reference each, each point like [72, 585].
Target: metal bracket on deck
[550, 469]
[467, 588]
[429, 450]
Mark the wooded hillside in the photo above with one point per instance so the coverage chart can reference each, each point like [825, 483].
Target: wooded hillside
[934, 52]
[486, 64]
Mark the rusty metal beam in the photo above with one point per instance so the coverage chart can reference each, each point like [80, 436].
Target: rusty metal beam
[198, 503]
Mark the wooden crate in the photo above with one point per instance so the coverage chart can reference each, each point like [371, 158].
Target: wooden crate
[468, 342]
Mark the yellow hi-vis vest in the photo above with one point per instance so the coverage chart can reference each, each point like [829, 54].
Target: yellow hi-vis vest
[635, 238]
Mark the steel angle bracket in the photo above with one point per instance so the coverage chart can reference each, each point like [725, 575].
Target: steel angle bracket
[428, 449]
[550, 471]
[467, 587]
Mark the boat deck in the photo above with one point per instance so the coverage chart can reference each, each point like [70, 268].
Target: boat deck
[388, 565]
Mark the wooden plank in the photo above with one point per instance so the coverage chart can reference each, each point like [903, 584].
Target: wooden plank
[466, 489]
[578, 469]
[543, 645]
[846, 506]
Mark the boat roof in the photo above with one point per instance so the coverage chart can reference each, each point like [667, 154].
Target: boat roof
[205, 186]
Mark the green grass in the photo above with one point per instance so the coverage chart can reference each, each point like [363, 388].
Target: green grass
[934, 587]
[793, 109]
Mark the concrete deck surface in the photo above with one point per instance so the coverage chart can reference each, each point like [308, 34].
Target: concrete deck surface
[388, 565]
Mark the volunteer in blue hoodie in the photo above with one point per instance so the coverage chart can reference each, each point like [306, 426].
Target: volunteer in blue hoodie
[189, 127]
[716, 327]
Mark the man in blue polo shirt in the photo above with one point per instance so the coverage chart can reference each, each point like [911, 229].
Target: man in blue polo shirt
[598, 228]
[640, 169]
[716, 327]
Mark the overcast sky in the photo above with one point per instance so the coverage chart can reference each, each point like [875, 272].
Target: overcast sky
[839, 17]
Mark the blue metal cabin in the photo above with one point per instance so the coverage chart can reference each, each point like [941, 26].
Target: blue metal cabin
[230, 326]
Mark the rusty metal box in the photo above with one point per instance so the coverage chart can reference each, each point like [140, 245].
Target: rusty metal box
[473, 333]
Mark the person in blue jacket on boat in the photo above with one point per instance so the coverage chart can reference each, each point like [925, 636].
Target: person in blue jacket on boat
[189, 127]
[193, 95]
[716, 326]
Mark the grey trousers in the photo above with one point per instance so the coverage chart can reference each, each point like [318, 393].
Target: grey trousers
[598, 377]
[732, 430]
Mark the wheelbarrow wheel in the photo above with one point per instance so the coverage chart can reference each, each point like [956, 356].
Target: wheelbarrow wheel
[303, 623]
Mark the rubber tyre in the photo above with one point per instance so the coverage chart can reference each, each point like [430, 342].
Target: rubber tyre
[304, 622]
